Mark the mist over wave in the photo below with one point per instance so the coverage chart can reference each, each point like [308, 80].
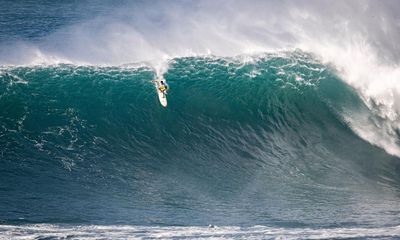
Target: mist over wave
[127, 32]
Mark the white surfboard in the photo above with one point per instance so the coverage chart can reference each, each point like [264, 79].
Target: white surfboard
[162, 97]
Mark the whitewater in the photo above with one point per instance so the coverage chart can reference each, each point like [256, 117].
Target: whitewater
[282, 120]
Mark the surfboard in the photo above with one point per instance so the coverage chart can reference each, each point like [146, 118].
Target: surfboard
[162, 97]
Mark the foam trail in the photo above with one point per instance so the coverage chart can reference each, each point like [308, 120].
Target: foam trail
[199, 232]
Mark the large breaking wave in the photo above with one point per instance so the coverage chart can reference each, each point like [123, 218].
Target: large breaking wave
[252, 140]
[358, 40]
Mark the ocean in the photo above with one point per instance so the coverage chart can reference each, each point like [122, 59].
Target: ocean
[261, 139]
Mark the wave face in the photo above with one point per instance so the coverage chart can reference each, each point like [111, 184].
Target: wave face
[244, 141]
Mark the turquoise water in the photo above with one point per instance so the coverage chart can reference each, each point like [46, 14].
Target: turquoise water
[256, 145]
[240, 143]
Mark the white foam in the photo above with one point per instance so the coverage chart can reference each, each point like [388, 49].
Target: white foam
[377, 84]
[217, 232]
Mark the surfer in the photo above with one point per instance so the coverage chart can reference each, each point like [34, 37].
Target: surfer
[163, 87]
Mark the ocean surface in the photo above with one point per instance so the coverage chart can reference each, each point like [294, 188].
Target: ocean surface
[272, 144]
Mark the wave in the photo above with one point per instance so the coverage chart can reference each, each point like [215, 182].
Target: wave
[267, 139]
[359, 45]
